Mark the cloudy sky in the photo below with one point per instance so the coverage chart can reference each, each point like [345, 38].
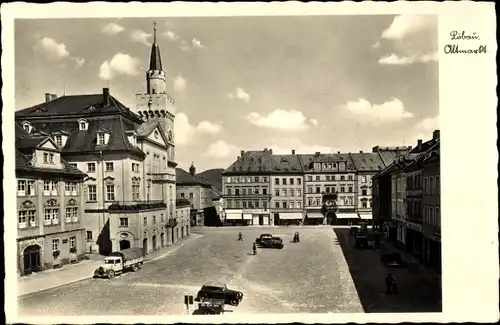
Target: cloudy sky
[328, 84]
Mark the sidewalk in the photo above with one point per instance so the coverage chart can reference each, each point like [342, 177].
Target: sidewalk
[431, 275]
[71, 273]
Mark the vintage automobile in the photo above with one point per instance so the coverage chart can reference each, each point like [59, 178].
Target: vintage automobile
[219, 291]
[392, 259]
[353, 231]
[130, 259]
[273, 242]
[261, 237]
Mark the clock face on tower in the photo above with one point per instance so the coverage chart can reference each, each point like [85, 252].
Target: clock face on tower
[169, 135]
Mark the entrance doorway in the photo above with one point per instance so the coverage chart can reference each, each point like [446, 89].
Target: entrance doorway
[162, 239]
[32, 257]
[182, 231]
[145, 246]
[124, 244]
[177, 232]
[276, 219]
[154, 242]
[261, 220]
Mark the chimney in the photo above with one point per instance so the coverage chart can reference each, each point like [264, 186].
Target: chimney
[242, 152]
[317, 153]
[293, 151]
[435, 135]
[361, 151]
[105, 96]
[271, 151]
[238, 158]
[265, 149]
[338, 152]
[48, 97]
[419, 143]
[53, 96]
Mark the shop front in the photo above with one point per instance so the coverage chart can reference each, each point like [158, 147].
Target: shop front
[414, 238]
[346, 218]
[431, 247]
[247, 217]
[314, 217]
[289, 218]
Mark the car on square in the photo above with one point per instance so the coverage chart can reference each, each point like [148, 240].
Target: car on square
[217, 290]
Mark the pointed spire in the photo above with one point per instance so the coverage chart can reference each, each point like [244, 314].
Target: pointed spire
[155, 61]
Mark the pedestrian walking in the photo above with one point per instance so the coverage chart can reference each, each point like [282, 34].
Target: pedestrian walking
[389, 283]
[240, 237]
[254, 249]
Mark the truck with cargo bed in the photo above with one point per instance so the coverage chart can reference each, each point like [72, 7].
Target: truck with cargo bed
[130, 259]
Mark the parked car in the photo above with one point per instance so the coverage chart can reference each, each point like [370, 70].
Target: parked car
[259, 239]
[392, 259]
[119, 262]
[354, 230]
[219, 291]
[273, 242]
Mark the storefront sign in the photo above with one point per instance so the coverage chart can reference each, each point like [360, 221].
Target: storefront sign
[414, 226]
[35, 241]
[255, 211]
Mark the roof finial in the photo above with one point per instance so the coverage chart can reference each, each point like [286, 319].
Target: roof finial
[154, 32]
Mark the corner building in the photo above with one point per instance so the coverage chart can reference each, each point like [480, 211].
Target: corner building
[246, 189]
[50, 204]
[128, 155]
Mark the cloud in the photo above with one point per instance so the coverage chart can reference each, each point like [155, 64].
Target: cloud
[51, 48]
[179, 84]
[139, 36]
[183, 44]
[428, 124]
[239, 93]
[405, 60]
[208, 127]
[413, 39]
[112, 29]
[197, 44]
[186, 133]
[119, 64]
[406, 25]
[291, 120]
[390, 111]
[221, 150]
[313, 121]
[286, 145]
[79, 61]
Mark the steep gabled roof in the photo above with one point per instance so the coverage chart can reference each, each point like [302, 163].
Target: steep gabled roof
[286, 164]
[90, 105]
[182, 177]
[256, 162]
[308, 160]
[367, 162]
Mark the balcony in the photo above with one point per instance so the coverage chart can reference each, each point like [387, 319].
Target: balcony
[162, 177]
[171, 223]
[132, 206]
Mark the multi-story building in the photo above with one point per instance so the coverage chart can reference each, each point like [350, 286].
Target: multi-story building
[287, 186]
[50, 204]
[218, 202]
[128, 155]
[195, 190]
[431, 202]
[183, 216]
[247, 190]
[329, 173]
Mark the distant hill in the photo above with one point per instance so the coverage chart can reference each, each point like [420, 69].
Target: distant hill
[213, 176]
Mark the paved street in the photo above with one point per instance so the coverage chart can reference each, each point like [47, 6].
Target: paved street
[310, 276]
[417, 293]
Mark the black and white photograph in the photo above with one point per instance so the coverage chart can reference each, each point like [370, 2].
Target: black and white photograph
[243, 164]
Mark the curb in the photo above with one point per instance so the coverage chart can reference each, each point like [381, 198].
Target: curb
[27, 295]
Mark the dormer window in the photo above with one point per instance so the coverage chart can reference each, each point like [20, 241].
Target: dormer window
[58, 140]
[27, 127]
[48, 158]
[102, 138]
[83, 125]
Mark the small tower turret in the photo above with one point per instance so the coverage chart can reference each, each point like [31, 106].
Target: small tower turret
[192, 169]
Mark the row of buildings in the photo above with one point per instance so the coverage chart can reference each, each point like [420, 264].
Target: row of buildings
[407, 201]
[262, 188]
[96, 176]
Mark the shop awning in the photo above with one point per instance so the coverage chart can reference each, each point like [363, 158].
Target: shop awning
[247, 216]
[315, 215]
[291, 216]
[347, 215]
[233, 216]
[366, 216]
